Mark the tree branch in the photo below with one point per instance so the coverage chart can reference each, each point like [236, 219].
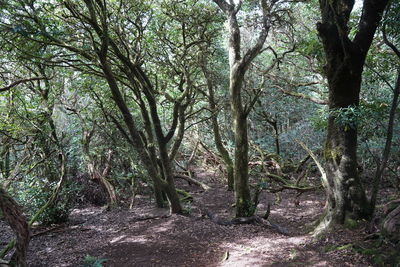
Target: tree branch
[12, 85]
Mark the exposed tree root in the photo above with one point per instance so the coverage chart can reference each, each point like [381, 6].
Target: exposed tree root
[257, 220]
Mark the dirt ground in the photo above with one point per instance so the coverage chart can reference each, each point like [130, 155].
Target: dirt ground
[146, 236]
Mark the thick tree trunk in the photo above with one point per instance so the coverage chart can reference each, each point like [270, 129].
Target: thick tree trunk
[14, 217]
[345, 60]
[347, 196]
[244, 205]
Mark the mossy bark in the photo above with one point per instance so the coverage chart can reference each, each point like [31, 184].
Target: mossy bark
[17, 221]
[345, 59]
[239, 63]
[217, 134]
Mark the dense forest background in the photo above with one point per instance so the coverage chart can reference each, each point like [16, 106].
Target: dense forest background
[105, 101]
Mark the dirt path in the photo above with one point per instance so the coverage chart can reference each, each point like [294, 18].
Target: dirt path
[123, 238]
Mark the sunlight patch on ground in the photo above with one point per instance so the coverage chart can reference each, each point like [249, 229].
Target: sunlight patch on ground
[161, 228]
[85, 212]
[132, 239]
[260, 251]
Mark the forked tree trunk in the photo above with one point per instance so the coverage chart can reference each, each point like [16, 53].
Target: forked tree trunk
[238, 65]
[17, 221]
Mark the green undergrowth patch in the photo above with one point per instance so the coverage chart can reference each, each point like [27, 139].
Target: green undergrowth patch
[91, 261]
[381, 253]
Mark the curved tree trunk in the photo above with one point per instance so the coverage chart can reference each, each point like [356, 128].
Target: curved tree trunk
[17, 221]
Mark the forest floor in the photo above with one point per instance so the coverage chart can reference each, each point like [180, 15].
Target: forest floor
[146, 236]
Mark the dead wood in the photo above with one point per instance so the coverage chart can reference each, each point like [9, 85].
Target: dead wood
[58, 228]
[191, 180]
[302, 164]
[151, 217]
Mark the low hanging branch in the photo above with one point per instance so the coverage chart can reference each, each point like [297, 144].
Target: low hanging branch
[304, 96]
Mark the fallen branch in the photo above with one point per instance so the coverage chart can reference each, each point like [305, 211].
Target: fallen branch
[191, 180]
[296, 188]
[58, 228]
[319, 165]
[145, 218]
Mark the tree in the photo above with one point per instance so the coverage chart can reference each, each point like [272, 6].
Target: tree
[13, 214]
[238, 65]
[345, 51]
[392, 23]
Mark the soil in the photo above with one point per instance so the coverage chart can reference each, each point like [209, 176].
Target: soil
[147, 236]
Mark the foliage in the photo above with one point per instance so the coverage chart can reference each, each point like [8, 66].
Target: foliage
[91, 261]
[171, 41]
[32, 196]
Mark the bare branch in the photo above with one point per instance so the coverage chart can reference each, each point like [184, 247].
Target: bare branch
[388, 43]
[303, 96]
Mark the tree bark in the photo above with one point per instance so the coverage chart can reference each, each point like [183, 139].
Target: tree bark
[17, 221]
[238, 66]
[137, 142]
[94, 172]
[217, 135]
[345, 60]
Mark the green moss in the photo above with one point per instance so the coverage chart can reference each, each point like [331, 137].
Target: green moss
[378, 260]
[350, 223]
[331, 154]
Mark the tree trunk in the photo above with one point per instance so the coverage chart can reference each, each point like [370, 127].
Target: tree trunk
[135, 137]
[238, 66]
[217, 135]
[345, 60]
[14, 217]
[169, 187]
[346, 196]
[244, 204]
